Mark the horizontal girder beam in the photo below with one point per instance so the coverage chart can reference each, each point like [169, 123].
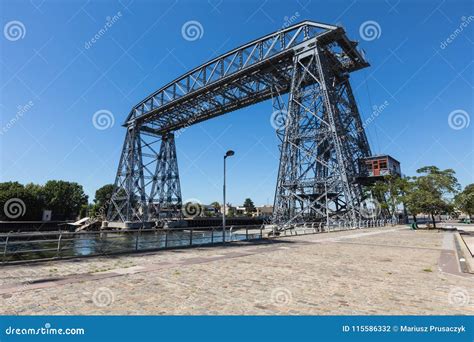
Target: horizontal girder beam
[242, 76]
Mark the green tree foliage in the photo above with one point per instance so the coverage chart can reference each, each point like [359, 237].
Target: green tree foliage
[65, 199]
[102, 201]
[86, 210]
[390, 192]
[249, 206]
[103, 194]
[429, 192]
[230, 210]
[411, 199]
[15, 196]
[217, 206]
[464, 201]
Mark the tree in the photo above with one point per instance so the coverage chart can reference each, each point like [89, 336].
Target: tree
[230, 210]
[410, 199]
[464, 201]
[86, 210]
[19, 203]
[390, 192]
[65, 199]
[217, 206]
[249, 206]
[430, 191]
[102, 201]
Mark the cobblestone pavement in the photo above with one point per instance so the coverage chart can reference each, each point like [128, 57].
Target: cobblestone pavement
[389, 270]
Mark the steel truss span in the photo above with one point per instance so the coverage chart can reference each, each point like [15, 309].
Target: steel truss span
[305, 70]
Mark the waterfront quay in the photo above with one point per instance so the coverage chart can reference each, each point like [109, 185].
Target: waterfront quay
[389, 270]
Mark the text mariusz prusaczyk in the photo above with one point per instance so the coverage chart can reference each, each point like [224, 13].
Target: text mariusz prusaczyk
[403, 329]
[433, 329]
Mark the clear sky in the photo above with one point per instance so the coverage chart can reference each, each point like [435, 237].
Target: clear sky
[54, 78]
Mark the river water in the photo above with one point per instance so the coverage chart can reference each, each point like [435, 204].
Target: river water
[85, 244]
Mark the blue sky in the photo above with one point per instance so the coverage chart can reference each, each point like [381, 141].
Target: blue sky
[51, 86]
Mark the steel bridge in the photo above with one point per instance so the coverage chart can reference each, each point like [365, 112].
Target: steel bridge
[305, 70]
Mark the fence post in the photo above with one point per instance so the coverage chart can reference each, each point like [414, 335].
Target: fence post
[212, 235]
[246, 233]
[191, 237]
[136, 239]
[166, 238]
[58, 250]
[261, 231]
[5, 248]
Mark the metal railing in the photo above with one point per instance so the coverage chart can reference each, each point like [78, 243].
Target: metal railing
[322, 227]
[27, 247]
[21, 247]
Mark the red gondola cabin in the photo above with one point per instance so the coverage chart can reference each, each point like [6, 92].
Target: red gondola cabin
[375, 167]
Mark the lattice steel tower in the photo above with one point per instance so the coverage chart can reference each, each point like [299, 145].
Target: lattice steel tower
[322, 143]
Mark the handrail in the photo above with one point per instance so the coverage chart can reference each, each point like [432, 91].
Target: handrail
[166, 238]
[109, 242]
[129, 230]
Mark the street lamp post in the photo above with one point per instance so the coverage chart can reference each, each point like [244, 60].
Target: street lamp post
[227, 154]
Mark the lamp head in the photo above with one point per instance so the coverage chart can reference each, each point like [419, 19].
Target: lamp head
[229, 153]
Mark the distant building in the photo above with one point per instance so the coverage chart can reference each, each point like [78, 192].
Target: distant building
[47, 215]
[264, 210]
[228, 208]
[208, 210]
[240, 211]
